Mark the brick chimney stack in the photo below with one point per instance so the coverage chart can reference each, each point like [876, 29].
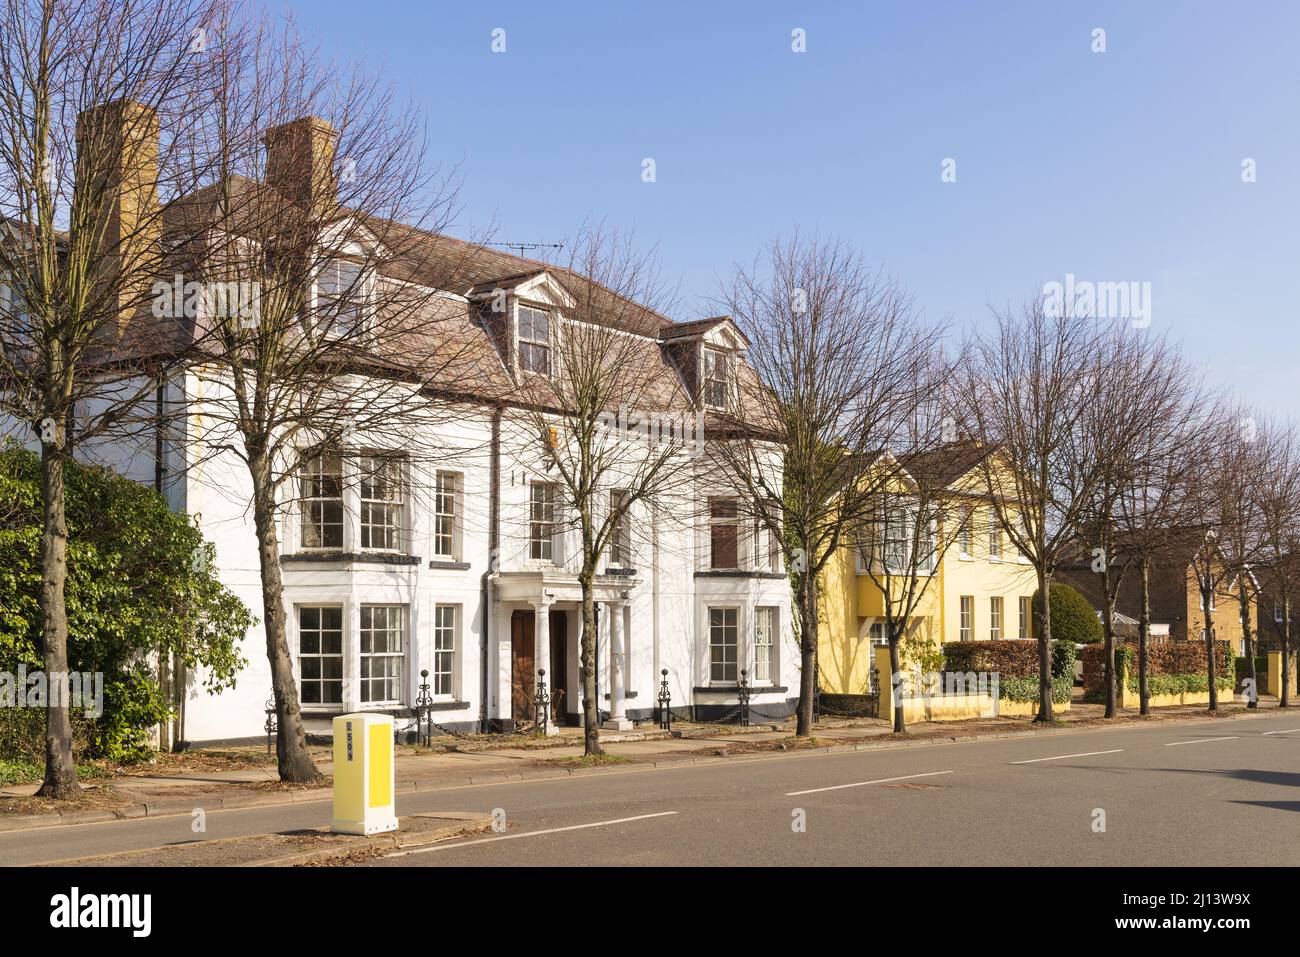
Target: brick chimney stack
[300, 162]
[117, 155]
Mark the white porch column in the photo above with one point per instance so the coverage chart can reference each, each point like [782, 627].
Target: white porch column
[542, 654]
[618, 720]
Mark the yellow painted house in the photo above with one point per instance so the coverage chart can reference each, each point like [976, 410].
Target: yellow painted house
[980, 586]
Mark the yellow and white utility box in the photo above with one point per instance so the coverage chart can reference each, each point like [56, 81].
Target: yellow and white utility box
[364, 774]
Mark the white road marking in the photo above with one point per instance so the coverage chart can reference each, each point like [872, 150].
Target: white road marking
[1287, 731]
[1173, 744]
[862, 784]
[1062, 757]
[515, 837]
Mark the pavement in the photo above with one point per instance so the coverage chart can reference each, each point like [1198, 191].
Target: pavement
[957, 795]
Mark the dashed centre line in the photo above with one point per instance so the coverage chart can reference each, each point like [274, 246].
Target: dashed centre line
[862, 784]
[1174, 744]
[1062, 757]
[523, 834]
[1287, 731]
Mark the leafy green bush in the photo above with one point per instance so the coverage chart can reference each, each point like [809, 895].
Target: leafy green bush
[1073, 617]
[1063, 657]
[1026, 689]
[140, 582]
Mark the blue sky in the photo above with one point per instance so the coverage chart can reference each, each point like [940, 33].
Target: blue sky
[1116, 166]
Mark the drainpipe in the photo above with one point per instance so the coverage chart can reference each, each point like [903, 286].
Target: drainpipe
[494, 540]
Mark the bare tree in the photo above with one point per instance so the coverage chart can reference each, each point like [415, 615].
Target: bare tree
[834, 347]
[1277, 495]
[329, 342]
[1155, 512]
[615, 437]
[1140, 386]
[86, 181]
[917, 517]
[1227, 441]
[1027, 387]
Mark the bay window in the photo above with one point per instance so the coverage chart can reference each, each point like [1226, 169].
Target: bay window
[381, 503]
[321, 481]
[382, 654]
[320, 654]
[723, 646]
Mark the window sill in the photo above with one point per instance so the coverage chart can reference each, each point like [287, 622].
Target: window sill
[356, 558]
[449, 565]
[734, 689]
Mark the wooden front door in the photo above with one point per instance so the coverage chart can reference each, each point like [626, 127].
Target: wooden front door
[557, 672]
[523, 669]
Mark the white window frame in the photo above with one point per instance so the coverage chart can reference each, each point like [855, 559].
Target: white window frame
[995, 542]
[763, 656]
[541, 548]
[620, 539]
[393, 612]
[965, 533]
[319, 655]
[447, 499]
[713, 360]
[306, 503]
[997, 608]
[359, 292]
[734, 610]
[547, 344]
[724, 521]
[445, 647]
[1026, 612]
[394, 509]
[966, 618]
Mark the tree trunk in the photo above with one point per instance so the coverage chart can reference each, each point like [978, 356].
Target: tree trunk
[1108, 631]
[895, 669]
[294, 761]
[60, 769]
[1044, 715]
[1144, 634]
[587, 669]
[1253, 701]
[808, 653]
[1284, 697]
[1209, 650]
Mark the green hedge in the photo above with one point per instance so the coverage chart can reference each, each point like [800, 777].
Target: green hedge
[1026, 689]
[1016, 663]
[1174, 668]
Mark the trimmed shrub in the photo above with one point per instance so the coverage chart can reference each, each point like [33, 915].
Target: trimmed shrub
[1178, 667]
[1016, 664]
[1009, 657]
[1073, 617]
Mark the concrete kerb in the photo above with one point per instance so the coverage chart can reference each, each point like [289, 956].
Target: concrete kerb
[343, 846]
[177, 806]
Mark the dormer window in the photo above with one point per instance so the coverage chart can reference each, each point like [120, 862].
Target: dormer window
[714, 380]
[340, 298]
[534, 340]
